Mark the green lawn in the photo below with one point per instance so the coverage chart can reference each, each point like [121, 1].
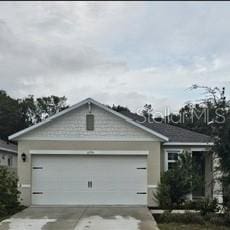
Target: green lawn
[174, 226]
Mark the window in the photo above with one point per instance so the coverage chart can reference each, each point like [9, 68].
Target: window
[9, 162]
[89, 122]
[171, 156]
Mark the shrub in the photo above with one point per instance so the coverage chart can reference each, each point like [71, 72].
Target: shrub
[191, 205]
[217, 220]
[176, 183]
[205, 206]
[195, 218]
[186, 218]
[208, 206]
[8, 192]
[227, 218]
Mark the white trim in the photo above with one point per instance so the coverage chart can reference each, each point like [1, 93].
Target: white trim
[88, 152]
[16, 135]
[89, 139]
[166, 161]
[8, 150]
[152, 186]
[199, 149]
[188, 143]
[25, 185]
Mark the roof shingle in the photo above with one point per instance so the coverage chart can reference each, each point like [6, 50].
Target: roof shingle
[174, 133]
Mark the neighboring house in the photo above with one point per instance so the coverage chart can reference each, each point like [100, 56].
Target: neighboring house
[89, 154]
[8, 154]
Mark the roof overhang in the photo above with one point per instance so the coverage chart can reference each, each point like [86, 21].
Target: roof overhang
[88, 152]
[8, 150]
[188, 143]
[88, 101]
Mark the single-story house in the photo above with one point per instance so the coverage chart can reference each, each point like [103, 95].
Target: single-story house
[90, 154]
[8, 154]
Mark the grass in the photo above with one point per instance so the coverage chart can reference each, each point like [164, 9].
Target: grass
[176, 226]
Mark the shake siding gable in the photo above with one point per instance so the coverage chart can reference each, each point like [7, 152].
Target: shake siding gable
[72, 126]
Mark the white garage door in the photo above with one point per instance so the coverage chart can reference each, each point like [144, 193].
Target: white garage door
[89, 180]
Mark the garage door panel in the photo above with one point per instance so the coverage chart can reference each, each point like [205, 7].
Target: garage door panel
[118, 185]
[64, 179]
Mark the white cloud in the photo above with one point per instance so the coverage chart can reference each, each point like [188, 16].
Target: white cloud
[122, 53]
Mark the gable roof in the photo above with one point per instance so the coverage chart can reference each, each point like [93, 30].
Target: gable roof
[8, 147]
[88, 101]
[165, 132]
[174, 133]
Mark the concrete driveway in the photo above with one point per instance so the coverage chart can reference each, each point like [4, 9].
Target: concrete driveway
[81, 218]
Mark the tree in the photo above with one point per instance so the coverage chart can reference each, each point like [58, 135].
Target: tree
[119, 108]
[36, 110]
[147, 111]
[219, 108]
[18, 114]
[11, 120]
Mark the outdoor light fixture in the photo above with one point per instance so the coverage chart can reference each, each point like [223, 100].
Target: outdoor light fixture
[23, 156]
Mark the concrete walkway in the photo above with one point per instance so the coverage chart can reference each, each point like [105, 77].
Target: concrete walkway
[81, 218]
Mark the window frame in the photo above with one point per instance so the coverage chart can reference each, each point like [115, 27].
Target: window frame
[93, 122]
[167, 161]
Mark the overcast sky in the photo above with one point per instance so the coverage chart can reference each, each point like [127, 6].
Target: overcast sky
[117, 53]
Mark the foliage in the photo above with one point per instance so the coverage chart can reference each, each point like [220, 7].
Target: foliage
[194, 218]
[17, 114]
[186, 218]
[211, 116]
[119, 108]
[178, 226]
[222, 148]
[11, 120]
[193, 117]
[177, 183]
[208, 206]
[36, 110]
[205, 205]
[8, 192]
[147, 111]
[218, 219]
[221, 134]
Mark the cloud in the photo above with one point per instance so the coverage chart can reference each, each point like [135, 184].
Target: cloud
[121, 53]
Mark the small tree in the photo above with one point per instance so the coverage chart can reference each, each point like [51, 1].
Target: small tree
[9, 193]
[177, 183]
[219, 110]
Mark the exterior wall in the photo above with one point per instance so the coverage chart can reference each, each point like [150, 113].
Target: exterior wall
[24, 168]
[72, 126]
[4, 156]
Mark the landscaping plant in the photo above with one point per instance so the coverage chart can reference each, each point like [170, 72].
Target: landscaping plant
[177, 183]
[9, 193]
